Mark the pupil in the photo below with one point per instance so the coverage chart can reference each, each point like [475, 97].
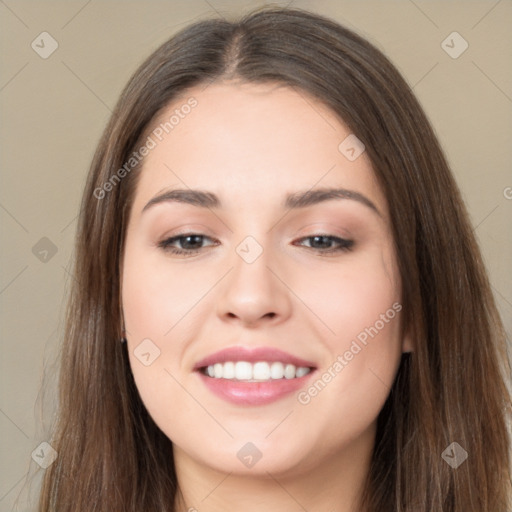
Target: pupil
[319, 238]
[196, 238]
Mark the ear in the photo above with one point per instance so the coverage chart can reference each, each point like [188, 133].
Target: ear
[407, 343]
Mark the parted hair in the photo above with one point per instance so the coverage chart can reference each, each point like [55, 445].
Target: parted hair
[451, 388]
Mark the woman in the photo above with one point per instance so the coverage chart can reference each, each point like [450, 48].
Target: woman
[279, 302]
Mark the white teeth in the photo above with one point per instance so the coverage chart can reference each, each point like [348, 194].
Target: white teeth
[301, 372]
[289, 371]
[260, 371]
[243, 371]
[277, 370]
[228, 371]
[217, 371]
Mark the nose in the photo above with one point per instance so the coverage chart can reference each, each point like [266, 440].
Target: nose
[254, 293]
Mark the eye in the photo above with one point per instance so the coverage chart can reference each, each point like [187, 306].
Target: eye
[191, 243]
[324, 243]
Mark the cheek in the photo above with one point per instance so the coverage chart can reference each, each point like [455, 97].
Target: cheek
[351, 296]
[155, 305]
[156, 295]
[352, 388]
[160, 302]
[359, 306]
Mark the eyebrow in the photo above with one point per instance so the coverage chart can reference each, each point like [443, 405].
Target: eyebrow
[300, 199]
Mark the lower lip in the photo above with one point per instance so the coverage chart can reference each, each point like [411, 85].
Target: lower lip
[253, 393]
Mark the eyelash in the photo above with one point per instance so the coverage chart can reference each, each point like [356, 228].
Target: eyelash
[344, 244]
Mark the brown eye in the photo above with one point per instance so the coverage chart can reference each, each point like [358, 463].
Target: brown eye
[189, 243]
[328, 243]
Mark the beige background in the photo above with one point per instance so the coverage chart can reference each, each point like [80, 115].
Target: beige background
[54, 109]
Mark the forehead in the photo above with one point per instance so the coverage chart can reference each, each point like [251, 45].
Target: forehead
[251, 141]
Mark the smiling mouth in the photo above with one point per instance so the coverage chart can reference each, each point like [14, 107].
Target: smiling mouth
[260, 371]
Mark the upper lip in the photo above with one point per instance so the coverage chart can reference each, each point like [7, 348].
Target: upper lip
[252, 355]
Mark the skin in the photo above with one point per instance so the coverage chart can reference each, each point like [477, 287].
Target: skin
[250, 145]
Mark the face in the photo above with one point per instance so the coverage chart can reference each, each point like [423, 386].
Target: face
[262, 315]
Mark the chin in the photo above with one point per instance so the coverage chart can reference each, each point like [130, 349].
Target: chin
[255, 458]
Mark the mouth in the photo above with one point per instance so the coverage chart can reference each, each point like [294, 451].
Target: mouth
[256, 376]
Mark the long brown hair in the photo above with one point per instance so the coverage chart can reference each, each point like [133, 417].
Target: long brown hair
[452, 388]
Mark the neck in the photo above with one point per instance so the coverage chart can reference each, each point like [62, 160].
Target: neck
[335, 484]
